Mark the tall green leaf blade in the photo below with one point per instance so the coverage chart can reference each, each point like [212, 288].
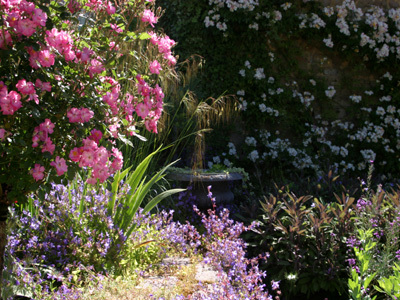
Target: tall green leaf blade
[135, 177]
[114, 189]
[149, 206]
[130, 212]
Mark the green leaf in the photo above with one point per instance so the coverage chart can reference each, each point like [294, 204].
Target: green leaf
[144, 36]
[132, 34]
[160, 197]
[368, 280]
[136, 181]
[114, 189]
[125, 122]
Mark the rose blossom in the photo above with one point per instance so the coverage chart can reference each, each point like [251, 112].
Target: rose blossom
[155, 67]
[37, 172]
[60, 165]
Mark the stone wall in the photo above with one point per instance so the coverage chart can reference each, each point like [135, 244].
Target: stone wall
[347, 77]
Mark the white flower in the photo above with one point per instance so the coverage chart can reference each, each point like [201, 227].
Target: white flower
[343, 151]
[253, 156]
[271, 79]
[247, 64]
[232, 148]
[240, 93]
[367, 109]
[369, 93]
[271, 56]
[292, 151]
[355, 98]
[330, 92]
[277, 15]
[286, 5]
[254, 26]
[216, 17]
[242, 72]
[328, 42]
[394, 14]
[368, 154]
[208, 22]
[244, 105]
[329, 11]
[380, 111]
[365, 39]
[291, 277]
[317, 22]
[221, 26]
[385, 98]
[262, 107]
[227, 163]
[391, 109]
[216, 160]
[388, 76]
[250, 141]
[313, 82]
[383, 52]
[343, 26]
[259, 74]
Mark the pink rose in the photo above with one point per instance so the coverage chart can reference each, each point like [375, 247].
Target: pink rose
[48, 146]
[39, 17]
[86, 115]
[148, 16]
[37, 172]
[96, 67]
[25, 87]
[46, 58]
[46, 86]
[60, 165]
[142, 110]
[74, 115]
[96, 135]
[3, 134]
[10, 103]
[75, 154]
[26, 27]
[155, 67]
[47, 126]
[110, 8]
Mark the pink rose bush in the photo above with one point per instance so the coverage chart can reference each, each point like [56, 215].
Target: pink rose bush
[70, 88]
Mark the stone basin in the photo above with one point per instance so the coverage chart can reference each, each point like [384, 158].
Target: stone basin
[221, 184]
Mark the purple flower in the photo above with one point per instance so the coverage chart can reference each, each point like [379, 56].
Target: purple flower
[275, 284]
[351, 261]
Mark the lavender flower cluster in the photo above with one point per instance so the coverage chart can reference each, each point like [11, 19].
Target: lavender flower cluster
[58, 245]
[58, 242]
[240, 277]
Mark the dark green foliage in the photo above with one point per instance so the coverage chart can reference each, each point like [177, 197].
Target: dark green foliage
[306, 241]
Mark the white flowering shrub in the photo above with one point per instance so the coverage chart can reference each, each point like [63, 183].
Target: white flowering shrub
[301, 115]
